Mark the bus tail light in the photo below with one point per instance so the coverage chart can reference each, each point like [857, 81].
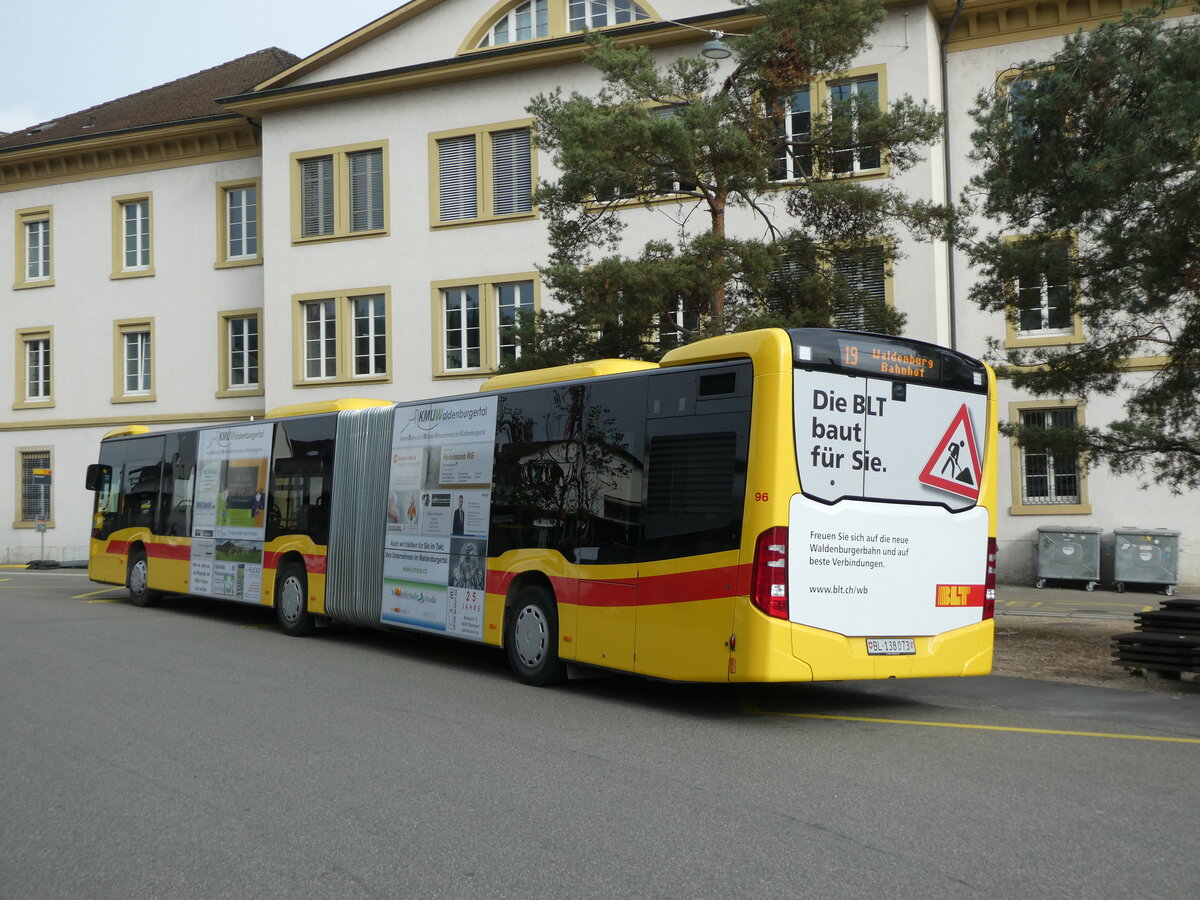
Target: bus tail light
[769, 576]
[989, 581]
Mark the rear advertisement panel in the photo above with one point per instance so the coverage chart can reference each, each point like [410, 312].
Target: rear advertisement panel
[914, 564]
[439, 507]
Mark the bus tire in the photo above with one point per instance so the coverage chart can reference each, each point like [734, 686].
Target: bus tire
[531, 637]
[291, 600]
[137, 580]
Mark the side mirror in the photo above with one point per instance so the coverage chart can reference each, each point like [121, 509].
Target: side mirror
[98, 477]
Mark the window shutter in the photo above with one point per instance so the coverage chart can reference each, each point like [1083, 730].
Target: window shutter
[457, 179]
[864, 272]
[512, 172]
[316, 196]
[366, 190]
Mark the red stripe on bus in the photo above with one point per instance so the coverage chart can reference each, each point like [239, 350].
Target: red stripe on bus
[652, 590]
[181, 552]
[314, 563]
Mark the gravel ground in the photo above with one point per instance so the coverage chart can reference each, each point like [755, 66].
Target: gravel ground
[1073, 650]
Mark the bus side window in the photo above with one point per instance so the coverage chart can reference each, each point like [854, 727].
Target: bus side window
[140, 480]
[179, 480]
[301, 473]
[536, 471]
[613, 469]
[698, 426]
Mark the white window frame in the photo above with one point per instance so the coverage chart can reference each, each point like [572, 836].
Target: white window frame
[34, 229]
[485, 345]
[241, 351]
[592, 14]
[340, 330]
[793, 166]
[134, 378]
[135, 228]
[1015, 335]
[507, 28]
[1052, 502]
[136, 261]
[239, 229]
[857, 166]
[34, 375]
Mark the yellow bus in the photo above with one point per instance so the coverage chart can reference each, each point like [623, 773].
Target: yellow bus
[773, 506]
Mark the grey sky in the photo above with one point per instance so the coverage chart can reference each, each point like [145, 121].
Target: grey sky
[61, 56]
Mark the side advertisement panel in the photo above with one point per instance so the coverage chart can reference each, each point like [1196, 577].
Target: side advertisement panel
[439, 507]
[229, 518]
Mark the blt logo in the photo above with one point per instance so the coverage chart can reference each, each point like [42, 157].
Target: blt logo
[960, 595]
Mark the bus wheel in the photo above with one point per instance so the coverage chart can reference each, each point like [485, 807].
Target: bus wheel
[137, 579]
[291, 600]
[531, 638]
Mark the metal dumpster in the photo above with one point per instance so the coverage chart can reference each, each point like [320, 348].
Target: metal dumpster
[1070, 553]
[1146, 556]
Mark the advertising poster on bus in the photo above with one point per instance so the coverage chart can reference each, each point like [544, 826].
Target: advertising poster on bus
[439, 506]
[918, 448]
[229, 519]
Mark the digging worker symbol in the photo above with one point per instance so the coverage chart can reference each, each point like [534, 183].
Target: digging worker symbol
[958, 471]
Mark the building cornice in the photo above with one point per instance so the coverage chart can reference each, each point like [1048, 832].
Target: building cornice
[126, 152]
[989, 23]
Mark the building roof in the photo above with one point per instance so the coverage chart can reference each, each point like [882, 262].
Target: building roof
[191, 97]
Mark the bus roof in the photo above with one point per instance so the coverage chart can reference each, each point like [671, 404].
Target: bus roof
[324, 406]
[573, 372]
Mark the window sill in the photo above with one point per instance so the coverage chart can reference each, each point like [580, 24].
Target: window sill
[343, 382]
[1052, 509]
[1013, 341]
[237, 263]
[34, 404]
[226, 393]
[132, 273]
[32, 525]
[27, 285]
[484, 220]
[135, 398]
[297, 240]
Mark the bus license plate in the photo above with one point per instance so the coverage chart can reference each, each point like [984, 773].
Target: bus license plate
[891, 646]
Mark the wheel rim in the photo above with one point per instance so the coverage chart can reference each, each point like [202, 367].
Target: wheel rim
[530, 636]
[137, 576]
[291, 599]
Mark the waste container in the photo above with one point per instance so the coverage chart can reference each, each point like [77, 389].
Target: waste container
[1146, 556]
[1070, 553]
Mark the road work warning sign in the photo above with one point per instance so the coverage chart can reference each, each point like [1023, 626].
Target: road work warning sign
[954, 465]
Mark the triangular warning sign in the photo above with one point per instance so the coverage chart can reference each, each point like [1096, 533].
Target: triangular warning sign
[955, 465]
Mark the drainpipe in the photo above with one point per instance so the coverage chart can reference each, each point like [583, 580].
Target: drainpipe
[946, 169]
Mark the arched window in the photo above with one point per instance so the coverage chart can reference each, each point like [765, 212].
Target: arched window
[533, 20]
[523, 22]
[583, 14]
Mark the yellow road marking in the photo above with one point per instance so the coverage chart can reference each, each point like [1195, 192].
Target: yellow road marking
[97, 593]
[753, 709]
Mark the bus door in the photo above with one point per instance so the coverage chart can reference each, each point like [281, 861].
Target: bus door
[698, 432]
[127, 504]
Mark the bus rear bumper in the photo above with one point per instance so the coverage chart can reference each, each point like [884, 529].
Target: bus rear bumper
[773, 650]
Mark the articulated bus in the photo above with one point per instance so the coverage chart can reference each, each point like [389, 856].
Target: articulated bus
[773, 506]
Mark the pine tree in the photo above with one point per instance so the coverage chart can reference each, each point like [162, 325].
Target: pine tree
[1093, 156]
[692, 144]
